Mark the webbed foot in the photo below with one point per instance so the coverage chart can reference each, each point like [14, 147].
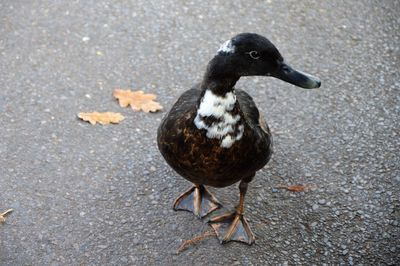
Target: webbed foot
[232, 227]
[197, 200]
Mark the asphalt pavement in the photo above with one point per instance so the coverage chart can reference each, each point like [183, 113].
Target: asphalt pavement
[102, 195]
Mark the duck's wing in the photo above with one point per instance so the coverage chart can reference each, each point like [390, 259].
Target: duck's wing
[250, 111]
[179, 115]
[187, 101]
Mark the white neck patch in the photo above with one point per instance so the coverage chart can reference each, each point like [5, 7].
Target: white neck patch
[227, 126]
[227, 47]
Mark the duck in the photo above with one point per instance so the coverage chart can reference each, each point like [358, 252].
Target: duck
[214, 135]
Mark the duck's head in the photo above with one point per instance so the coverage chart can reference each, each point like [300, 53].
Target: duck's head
[250, 54]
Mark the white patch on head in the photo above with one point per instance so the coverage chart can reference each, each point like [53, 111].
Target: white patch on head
[219, 108]
[227, 47]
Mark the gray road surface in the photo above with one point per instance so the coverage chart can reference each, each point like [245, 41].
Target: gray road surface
[102, 195]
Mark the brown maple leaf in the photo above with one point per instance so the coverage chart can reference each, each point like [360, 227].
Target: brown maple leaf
[138, 100]
[101, 118]
[297, 188]
[3, 215]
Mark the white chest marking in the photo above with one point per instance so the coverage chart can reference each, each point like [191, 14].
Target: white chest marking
[227, 126]
[227, 47]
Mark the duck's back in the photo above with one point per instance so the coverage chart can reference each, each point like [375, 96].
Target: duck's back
[203, 160]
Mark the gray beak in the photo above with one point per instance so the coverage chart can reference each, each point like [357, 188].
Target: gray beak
[298, 78]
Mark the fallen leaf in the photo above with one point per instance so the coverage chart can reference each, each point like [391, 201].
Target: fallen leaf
[296, 188]
[102, 118]
[138, 100]
[3, 215]
[195, 240]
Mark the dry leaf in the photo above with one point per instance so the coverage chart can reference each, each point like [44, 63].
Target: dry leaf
[297, 188]
[102, 118]
[195, 240]
[3, 215]
[138, 100]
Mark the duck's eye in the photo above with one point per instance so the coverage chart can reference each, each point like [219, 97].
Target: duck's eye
[254, 54]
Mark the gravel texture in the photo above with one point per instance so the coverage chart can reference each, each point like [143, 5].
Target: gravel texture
[102, 195]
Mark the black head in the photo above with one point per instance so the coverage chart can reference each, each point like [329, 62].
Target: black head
[250, 54]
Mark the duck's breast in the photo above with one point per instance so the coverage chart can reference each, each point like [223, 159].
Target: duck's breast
[203, 160]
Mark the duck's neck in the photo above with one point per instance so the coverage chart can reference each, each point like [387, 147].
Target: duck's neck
[218, 77]
[218, 110]
[218, 94]
[220, 86]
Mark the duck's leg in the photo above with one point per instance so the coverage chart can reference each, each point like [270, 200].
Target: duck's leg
[233, 226]
[197, 200]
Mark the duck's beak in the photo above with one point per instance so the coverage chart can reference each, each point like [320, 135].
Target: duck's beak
[298, 78]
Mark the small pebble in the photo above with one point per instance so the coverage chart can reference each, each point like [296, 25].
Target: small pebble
[351, 260]
[313, 224]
